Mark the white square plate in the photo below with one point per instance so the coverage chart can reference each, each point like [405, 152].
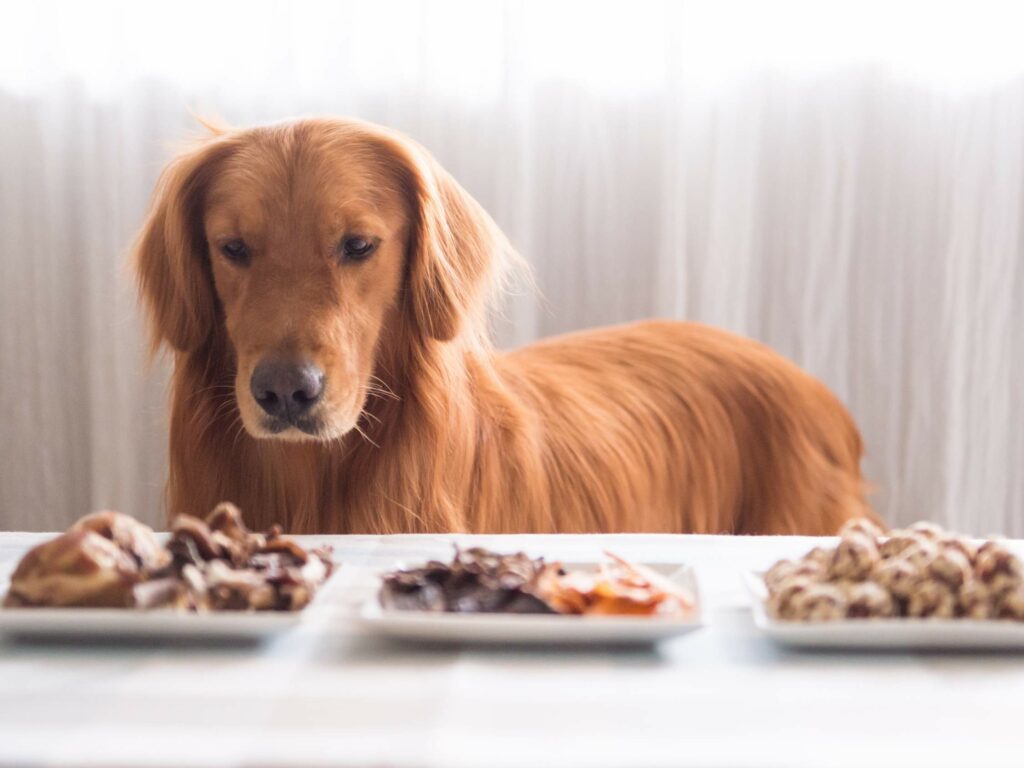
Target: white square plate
[536, 629]
[891, 634]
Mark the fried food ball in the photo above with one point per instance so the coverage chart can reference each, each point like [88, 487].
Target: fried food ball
[780, 603]
[951, 567]
[818, 602]
[897, 542]
[997, 568]
[860, 525]
[899, 575]
[928, 530]
[932, 600]
[813, 569]
[1010, 604]
[921, 552]
[867, 599]
[973, 601]
[778, 573]
[820, 556]
[922, 572]
[854, 558]
[962, 545]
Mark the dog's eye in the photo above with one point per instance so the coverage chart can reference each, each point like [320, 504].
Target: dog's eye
[235, 251]
[357, 248]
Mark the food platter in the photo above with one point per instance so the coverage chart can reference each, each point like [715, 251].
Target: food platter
[883, 634]
[167, 624]
[537, 629]
[110, 577]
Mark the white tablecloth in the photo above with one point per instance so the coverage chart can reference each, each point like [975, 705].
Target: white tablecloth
[723, 696]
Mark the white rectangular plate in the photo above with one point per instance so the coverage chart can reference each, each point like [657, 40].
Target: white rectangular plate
[884, 634]
[535, 629]
[126, 623]
[130, 624]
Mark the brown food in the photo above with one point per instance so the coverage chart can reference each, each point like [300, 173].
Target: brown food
[854, 558]
[928, 530]
[130, 535]
[965, 547]
[997, 568]
[108, 559]
[860, 525]
[818, 602]
[932, 599]
[481, 581]
[476, 581]
[951, 567]
[97, 562]
[784, 570]
[899, 575]
[1010, 604]
[896, 543]
[778, 573]
[866, 599]
[781, 599]
[921, 572]
[618, 588]
[974, 601]
[921, 552]
[77, 568]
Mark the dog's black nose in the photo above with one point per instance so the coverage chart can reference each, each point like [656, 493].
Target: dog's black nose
[287, 390]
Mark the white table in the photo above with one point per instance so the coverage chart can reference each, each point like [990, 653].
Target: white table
[722, 696]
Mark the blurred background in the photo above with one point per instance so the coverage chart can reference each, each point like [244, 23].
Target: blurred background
[841, 180]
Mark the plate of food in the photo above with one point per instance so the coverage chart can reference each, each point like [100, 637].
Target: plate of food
[109, 576]
[491, 598]
[920, 588]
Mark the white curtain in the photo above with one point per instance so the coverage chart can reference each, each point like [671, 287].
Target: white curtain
[843, 181]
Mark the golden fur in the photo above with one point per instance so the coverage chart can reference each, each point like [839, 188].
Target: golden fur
[656, 426]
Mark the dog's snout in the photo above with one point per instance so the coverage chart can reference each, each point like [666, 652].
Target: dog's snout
[287, 390]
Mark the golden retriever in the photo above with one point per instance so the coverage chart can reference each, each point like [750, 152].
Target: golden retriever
[323, 285]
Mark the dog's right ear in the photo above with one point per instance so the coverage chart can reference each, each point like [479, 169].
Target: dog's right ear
[170, 256]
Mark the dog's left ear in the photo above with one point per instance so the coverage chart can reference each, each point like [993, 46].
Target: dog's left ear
[454, 247]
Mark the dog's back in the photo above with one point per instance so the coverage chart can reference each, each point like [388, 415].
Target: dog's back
[665, 426]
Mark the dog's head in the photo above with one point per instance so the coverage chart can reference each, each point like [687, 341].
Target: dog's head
[308, 246]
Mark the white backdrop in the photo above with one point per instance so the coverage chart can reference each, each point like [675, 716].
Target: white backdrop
[843, 181]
